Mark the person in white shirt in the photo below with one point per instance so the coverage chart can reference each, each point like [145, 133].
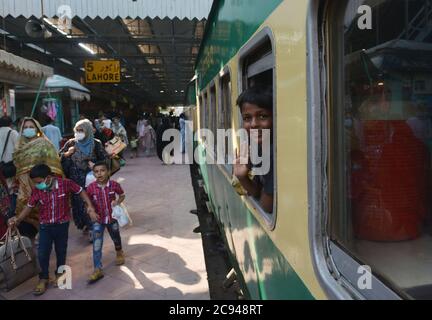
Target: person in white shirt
[6, 151]
[7, 148]
[53, 134]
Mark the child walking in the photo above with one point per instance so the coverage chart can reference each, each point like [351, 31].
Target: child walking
[52, 196]
[103, 193]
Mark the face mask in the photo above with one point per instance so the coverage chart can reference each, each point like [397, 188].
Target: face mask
[42, 186]
[29, 132]
[79, 136]
[348, 123]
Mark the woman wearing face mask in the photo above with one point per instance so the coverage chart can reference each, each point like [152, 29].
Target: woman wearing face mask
[33, 148]
[78, 156]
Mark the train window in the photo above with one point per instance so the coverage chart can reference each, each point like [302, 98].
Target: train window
[257, 65]
[224, 119]
[213, 115]
[381, 139]
[206, 111]
[201, 110]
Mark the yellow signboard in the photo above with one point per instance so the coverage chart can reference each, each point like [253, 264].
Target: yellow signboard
[102, 71]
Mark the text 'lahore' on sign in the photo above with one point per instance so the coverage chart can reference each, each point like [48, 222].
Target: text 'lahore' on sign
[102, 71]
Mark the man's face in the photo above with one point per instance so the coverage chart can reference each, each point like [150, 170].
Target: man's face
[255, 117]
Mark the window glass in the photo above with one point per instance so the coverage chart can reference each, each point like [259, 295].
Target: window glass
[213, 114]
[201, 111]
[206, 111]
[381, 139]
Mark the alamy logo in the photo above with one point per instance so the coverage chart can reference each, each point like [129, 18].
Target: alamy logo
[365, 280]
[64, 282]
[64, 13]
[254, 147]
[365, 20]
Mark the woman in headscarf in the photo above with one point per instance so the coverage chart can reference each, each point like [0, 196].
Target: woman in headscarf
[78, 156]
[119, 130]
[148, 139]
[5, 204]
[33, 148]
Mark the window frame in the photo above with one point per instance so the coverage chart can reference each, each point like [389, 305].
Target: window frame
[226, 73]
[255, 42]
[337, 271]
[213, 114]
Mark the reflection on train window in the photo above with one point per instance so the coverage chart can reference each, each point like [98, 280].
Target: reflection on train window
[224, 119]
[213, 115]
[257, 66]
[381, 138]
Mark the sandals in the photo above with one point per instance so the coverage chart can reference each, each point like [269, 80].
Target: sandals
[41, 287]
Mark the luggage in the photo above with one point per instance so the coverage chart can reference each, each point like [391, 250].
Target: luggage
[115, 146]
[17, 260]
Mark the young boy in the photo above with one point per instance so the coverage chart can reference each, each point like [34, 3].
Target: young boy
[256, 107]
[102, 193]
[134, 147]
[52, 196]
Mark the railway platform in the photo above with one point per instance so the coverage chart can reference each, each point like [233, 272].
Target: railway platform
[164, 257]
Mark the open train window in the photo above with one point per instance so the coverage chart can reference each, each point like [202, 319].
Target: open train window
[257, 70]
[224, 118]
[380, 143]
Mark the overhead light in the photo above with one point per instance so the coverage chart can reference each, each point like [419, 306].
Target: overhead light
[82, 69]
[66, 61]
[88, 49]
[176, 91]
[30, 45]
[128, 76]
[380, 84]
[162, 91]
[182, 91]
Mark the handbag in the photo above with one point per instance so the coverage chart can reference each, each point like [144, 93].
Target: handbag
[17, 261]
[8, 169]
[115, 146]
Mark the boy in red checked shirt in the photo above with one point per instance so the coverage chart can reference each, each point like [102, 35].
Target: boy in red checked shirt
[103, 193]
[52, 196]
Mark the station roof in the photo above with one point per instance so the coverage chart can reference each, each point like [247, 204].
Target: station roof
[138, 9]
[156, 42]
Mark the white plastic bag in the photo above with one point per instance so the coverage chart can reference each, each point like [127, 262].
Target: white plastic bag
[90, 178]
[121, 214]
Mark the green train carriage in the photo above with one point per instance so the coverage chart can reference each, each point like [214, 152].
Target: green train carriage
[352, 136]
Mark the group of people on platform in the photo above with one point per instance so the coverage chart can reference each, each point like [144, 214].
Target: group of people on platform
[47, 184]
[49, 178]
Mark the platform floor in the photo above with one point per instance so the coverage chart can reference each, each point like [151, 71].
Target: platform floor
[164, 258]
